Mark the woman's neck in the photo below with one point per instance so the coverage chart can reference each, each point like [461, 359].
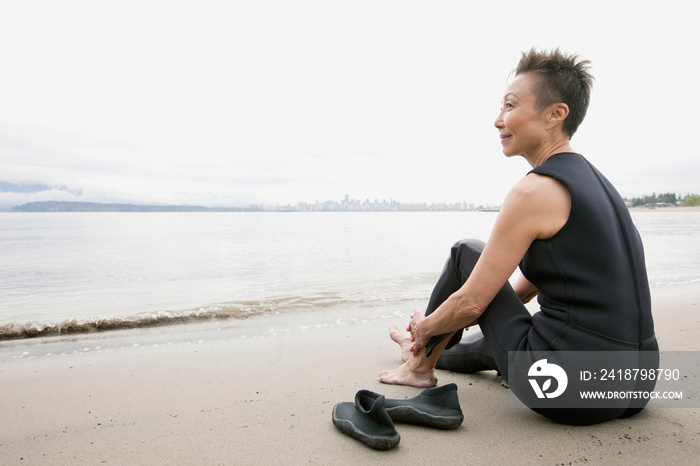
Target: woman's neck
[546, 152]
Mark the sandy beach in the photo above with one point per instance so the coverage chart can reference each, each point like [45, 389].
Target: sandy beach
[261, 392]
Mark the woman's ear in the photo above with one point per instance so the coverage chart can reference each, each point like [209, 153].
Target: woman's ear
[557, 114]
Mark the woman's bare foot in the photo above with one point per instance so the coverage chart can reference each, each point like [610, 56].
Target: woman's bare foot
[404, 341]
[411, 373]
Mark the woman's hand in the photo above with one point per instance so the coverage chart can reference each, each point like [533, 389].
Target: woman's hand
[417, 330]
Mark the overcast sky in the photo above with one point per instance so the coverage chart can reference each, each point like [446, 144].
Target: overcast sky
[279, 102]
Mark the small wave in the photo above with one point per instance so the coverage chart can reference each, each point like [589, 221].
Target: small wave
[237, 310]
[14, 330]
[676, 283]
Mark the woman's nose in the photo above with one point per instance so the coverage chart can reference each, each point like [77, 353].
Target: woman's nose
[499, 121]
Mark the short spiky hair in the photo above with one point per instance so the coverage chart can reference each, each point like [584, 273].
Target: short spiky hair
[562, 78]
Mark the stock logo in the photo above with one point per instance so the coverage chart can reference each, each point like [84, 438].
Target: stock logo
[544, 371]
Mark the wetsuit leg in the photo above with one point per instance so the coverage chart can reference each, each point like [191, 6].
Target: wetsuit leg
[472, 354]
[513, 319]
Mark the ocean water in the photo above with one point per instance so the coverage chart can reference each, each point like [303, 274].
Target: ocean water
[77, 272]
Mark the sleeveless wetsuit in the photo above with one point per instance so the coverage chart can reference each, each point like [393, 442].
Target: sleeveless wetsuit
[592, 288]
[591, 275]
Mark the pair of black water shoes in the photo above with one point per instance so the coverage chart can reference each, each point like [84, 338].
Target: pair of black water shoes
[370, 419]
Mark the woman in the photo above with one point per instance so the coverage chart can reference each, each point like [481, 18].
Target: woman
[570, 232]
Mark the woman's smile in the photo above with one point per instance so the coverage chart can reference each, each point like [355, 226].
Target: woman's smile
[505, 137]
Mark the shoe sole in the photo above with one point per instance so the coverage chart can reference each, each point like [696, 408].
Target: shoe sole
[378, 442]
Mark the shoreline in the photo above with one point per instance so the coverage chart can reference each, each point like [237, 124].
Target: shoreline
[261, 392]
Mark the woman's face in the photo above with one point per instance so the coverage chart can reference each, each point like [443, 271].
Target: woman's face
[520, 125]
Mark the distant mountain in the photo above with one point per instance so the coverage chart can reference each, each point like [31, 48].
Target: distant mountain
[59, 206]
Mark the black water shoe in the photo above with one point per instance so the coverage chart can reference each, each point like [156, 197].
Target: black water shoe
[367, 420]
[434, 407]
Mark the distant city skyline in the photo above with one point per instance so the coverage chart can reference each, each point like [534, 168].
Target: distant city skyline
[348, 204]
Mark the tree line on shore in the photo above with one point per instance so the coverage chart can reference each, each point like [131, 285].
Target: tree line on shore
[689, 200]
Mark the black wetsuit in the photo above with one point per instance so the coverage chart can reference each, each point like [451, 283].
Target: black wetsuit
[592, 289]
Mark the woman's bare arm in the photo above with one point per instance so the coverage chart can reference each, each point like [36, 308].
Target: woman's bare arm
[536, 208]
